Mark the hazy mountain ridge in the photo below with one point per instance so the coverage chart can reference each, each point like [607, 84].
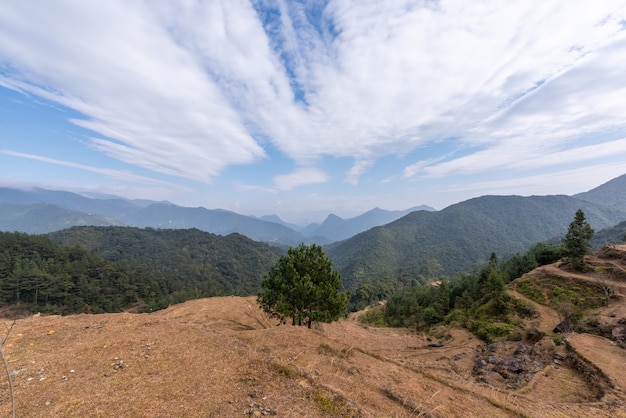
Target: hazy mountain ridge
[216, 221]
[114, 208]
[80, 210]
[107, 210]
[41, 218]
[337, 228]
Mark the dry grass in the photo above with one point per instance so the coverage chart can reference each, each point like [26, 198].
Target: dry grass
[222, 357]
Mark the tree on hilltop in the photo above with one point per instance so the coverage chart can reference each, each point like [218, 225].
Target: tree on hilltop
[576, 241]
[303, 286]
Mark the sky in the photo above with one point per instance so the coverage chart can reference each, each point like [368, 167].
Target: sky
[305, 108]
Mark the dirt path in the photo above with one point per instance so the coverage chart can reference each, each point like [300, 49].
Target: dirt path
[615, 264]
[618, 286]
[548, 317]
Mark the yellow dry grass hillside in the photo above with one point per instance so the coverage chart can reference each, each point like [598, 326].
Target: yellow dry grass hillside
[222, 357]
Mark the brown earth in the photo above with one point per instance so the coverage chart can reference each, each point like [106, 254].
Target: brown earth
[222, 357]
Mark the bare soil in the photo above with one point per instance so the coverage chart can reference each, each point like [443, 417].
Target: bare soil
[222, 357]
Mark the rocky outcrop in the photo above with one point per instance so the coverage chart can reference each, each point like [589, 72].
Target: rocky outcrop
[509, 364]
[619, 333]
[564, 326]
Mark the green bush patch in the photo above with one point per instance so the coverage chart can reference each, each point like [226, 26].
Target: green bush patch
[550, 290]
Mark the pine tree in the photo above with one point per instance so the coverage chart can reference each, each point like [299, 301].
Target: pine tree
[576, 241]
[303, 286]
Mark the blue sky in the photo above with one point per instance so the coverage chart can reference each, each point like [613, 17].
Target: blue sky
[304, 108]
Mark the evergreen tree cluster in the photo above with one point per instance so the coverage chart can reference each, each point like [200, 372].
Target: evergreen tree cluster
[38, 274]
[187, 263]
[107, 269]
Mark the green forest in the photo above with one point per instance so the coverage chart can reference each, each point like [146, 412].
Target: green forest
[108, 269]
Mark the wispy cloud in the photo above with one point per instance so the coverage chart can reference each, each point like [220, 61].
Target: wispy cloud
[569, 181]
[190, 88]
[298, 178]
[117, 174]
[148, 96]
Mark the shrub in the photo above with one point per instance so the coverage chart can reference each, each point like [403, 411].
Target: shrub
[490, 331]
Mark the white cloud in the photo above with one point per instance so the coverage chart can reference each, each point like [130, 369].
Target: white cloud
[303, 176]
[357, 169]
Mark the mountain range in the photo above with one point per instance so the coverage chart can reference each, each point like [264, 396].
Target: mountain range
[417, 242]
[40, 211]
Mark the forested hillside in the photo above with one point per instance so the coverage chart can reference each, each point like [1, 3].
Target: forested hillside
[187, 261]
[98, 269]
[461, 236]
[609, 236]
[37, 274]
[611, 193]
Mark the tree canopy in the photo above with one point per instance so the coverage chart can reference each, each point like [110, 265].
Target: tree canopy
[576, 241]
[303, 286]
[107, 269]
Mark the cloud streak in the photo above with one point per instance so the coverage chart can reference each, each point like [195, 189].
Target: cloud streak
[117, 174]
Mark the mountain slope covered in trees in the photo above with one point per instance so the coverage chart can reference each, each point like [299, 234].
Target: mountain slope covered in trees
[96, 269]
[110, 210]
[460, 236]
[609, 236]
[184, 260]
[611, 193]
[38, 274]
